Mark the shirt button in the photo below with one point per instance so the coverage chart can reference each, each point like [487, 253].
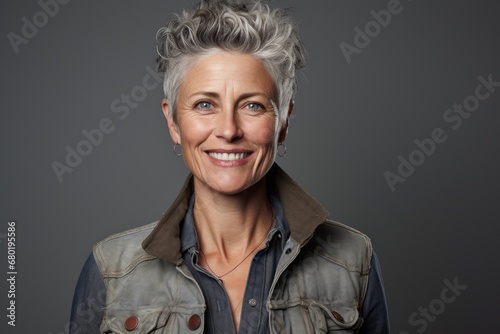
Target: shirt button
[131, 323]
[194, 322]
[288, 251]
[252, 302]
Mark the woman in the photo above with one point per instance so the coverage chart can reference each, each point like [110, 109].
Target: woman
[243, 249]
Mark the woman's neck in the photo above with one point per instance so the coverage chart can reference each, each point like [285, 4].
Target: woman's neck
[231, 225]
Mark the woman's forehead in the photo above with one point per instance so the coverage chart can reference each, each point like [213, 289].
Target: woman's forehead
[223, 71]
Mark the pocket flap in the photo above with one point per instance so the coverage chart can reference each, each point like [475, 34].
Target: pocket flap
[335, 319]
[136, 321]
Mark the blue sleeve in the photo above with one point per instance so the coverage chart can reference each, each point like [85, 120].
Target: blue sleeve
[374, 309]
[88, 300]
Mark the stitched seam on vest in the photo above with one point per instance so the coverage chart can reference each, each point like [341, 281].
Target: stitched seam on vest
[99, 251]
[129, 268]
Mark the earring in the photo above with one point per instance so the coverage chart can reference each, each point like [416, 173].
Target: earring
[176, 145]
[281, 149]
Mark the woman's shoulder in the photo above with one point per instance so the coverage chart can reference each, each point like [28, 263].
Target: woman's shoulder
[344, 245]
[343, 230]
[120, 252]
[127, 235]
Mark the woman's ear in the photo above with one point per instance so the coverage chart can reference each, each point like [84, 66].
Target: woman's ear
[172, 125]
[284, 128]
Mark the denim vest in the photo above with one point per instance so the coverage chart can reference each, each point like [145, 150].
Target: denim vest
[319, 285]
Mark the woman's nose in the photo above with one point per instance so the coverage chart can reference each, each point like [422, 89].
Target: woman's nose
[228, 126]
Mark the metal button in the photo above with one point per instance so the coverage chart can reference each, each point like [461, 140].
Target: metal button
[288, 251]
[252, 302]
[131, 323]
[194, 322]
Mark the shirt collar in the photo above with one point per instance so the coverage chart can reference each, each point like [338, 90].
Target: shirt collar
[298, 215]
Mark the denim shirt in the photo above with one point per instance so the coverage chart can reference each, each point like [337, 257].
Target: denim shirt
[218, 317]
[90, 293]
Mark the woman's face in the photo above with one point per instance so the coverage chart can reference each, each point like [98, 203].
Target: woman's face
[226, 121]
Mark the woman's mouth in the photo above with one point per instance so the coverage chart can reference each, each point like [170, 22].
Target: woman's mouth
[229, 156]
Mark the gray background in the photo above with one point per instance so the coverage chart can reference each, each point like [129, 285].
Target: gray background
[351, 123]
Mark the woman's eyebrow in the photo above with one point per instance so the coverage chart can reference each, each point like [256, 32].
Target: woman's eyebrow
[211, 94]
[247, 95]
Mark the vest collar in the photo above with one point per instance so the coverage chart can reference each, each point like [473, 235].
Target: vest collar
[302, 212]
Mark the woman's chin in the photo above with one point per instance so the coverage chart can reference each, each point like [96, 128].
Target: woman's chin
[228, 185]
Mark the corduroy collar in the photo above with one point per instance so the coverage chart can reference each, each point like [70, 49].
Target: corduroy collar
[302, 212]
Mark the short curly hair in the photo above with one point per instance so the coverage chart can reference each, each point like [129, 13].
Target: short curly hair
[251, 27]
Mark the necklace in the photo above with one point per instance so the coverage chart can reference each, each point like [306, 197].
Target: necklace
[219, 277]
[233, 311]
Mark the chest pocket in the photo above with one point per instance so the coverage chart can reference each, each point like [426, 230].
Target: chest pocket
[312, 317]
[151, 321]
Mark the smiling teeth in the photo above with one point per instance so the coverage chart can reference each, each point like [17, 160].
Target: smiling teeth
[228, 156]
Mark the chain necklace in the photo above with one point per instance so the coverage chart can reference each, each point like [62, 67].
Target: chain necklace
[233, 311]
[219, 277]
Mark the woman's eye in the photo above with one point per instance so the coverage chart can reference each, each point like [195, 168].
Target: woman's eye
[254, 106]
[204, 105]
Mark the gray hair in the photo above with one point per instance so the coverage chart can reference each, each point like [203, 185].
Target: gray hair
[245, 26]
